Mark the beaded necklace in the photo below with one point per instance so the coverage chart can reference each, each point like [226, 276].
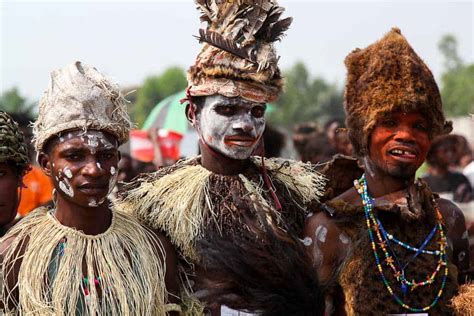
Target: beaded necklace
[384, 241]
[85, 280]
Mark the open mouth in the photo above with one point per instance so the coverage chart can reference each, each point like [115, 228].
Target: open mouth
[403, 153]
[241, 141]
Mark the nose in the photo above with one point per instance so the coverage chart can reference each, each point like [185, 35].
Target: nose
[245, 124]
[92, 169]
[404, 133]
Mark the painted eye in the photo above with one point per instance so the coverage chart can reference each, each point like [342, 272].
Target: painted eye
[226, 110]
[258, 111]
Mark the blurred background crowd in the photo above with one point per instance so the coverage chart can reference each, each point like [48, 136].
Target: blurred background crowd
[306, 123]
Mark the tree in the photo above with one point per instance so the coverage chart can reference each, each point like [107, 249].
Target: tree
[12, 102]
[457, 81]
[155, 89]
[306, 99]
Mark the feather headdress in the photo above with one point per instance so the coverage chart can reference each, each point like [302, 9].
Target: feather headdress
[238, 57]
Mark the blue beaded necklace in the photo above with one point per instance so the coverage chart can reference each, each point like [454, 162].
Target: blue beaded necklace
[375, 226]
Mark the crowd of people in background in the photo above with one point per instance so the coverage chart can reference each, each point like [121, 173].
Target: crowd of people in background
[449, 168]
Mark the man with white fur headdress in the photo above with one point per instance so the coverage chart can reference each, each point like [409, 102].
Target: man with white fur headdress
[83, 256]
[208, 202]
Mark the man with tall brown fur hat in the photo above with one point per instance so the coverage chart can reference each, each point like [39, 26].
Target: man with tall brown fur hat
[226, 191]
[393, 246]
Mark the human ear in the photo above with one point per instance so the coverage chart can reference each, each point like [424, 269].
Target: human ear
[45, 163]
[191, 113]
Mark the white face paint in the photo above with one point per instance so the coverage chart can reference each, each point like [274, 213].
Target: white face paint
[65, 186]
[231, 126]
[95, 145]
[67, 173]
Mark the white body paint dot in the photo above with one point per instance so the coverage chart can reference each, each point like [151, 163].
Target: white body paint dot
[307, 241]
[321, 233]
[112, 170]
[344, 238]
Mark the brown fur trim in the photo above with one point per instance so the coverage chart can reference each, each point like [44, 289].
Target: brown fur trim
[364, 291]
[384, 77]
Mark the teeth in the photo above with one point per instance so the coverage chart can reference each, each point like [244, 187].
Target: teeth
[397, 151]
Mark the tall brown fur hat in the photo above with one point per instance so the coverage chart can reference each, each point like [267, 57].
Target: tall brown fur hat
[238, 58]
[385, 77]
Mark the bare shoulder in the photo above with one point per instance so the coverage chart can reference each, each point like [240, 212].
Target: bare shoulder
[325, 243]
[452, 215]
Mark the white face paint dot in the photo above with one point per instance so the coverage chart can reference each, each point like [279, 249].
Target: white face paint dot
[112, 170]
[307, 241]
[344, 238]
[321, 233]
[98, 165]
[67, 172]
[461, 256]
[93, 203]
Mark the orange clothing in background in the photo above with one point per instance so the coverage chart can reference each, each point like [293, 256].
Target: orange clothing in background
[38, 191]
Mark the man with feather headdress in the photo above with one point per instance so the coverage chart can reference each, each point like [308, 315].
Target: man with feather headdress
[226, 192]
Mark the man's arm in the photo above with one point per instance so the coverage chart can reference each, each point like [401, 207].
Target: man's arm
[9, 274]
[170, 261]
[327, 246]
[458, 236]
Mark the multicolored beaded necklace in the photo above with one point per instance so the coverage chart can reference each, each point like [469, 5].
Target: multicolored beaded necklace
[384, 241]
[85, 280]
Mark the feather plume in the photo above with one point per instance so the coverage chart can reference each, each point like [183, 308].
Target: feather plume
[277, 30]
[242, 27]
[217, 40]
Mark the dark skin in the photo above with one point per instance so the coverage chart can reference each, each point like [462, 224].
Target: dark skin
[397, 147]
[217, 163]
[10, 181]
[83, 176]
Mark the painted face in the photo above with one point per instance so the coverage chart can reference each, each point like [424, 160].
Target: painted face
[231, 126]
[398, 144]
[84, 166]
[9, 183]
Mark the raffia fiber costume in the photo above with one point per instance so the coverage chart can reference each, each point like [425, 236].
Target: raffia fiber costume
[60, 270]
[385, 77]
[190, 203]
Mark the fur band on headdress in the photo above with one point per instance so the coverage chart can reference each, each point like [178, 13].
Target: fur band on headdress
[80, 97]
[238, 57]
[389, 76]
[13, 147]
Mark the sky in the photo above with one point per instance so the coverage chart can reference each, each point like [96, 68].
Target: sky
[130, 40]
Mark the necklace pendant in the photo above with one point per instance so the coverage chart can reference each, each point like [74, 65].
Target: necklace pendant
[404, 287]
